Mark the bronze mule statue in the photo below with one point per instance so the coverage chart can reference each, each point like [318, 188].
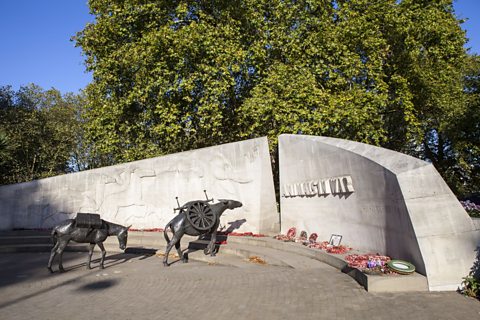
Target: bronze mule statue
[94, 235]
[197, 218]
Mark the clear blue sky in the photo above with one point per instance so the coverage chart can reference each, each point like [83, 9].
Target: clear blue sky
[35, 44]
[36, 47]
[470, 10]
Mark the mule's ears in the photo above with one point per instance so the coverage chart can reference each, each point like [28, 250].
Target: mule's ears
[129, 227]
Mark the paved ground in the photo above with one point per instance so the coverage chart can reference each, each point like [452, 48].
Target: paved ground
[139, 287]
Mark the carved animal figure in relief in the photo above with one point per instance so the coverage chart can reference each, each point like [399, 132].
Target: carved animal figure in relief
[196, 218]
[68, 230]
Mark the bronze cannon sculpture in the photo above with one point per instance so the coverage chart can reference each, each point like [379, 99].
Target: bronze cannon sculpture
[85, 228]
[196, 218]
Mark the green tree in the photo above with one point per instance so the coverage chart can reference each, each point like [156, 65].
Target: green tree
[5, 148]
[41, 131]
[455, 149]
[170, 76]
[6, 144]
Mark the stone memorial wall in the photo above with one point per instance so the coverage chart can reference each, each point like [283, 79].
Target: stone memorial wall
[378, 200]
[142, 193]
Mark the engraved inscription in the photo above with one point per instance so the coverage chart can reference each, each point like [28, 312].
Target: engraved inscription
[320, 187]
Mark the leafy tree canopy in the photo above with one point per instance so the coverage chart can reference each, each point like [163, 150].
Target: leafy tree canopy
[176, 75]
[39, 131]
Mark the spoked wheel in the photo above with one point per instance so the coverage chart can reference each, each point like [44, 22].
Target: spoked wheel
[200, 216]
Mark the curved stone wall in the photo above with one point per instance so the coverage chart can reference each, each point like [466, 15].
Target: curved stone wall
[378, 200]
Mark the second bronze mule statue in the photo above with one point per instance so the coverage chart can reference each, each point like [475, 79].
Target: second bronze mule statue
[197, 218]
[70, 230]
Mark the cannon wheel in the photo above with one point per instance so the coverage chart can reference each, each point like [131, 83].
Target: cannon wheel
[200, 216]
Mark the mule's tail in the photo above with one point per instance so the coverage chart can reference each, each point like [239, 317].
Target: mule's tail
[165, 232]
[53, 236]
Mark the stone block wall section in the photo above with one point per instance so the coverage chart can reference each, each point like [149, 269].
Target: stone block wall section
[142, 193]
[378, 200]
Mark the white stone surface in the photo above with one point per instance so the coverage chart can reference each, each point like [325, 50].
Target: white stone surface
[142, 193]
[400, 205]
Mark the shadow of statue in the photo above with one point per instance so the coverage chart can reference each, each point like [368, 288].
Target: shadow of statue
[234, 225]
[119, 258]
[222, 235]
[201, 243]
[98, 285]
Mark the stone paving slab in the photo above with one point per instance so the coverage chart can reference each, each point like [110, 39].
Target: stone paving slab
[139, 287]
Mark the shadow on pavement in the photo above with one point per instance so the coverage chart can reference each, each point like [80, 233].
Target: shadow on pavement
[30, 269]
[25, 267]
[114, 259]
[98, 285]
